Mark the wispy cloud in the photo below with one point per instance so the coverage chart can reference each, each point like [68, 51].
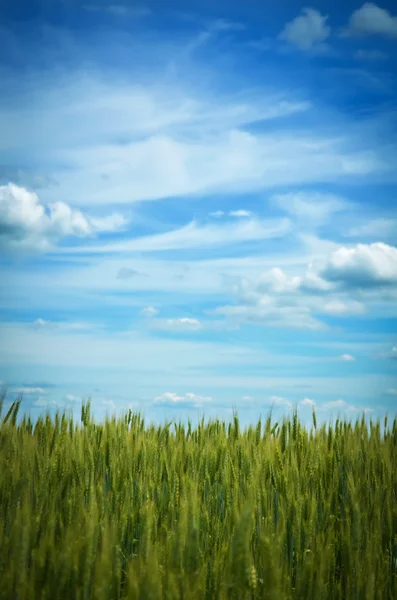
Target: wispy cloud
[42, 324]
[371, 55]
[343, 406]
[240, 214]
[311, 208]
[380, 228]
[29, 390]
[195, 235]
[120, 10]
[127, 273]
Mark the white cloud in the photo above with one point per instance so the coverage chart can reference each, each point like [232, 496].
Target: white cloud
[30, 390]
[247, 398]
[371, 19]
[182, 324]
[312, 283]
[347, 358]
[149, 311]
[380, 228]
[195, 235]
[336, 404]
[211, 32]
[186, 400]
[311, 208]
[279, 401]
[73, 398]
[342, 308]
[41, 323]
[391, 392]
[240, 213]
[276, 281]
[342, 405]
[307, 402]
[364, 266]
[307, 31]
[64, 325]
[298, 317]
[27, 224]
[109, 224]
[47, 403]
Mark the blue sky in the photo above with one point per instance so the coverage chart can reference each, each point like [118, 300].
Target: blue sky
[198, 207]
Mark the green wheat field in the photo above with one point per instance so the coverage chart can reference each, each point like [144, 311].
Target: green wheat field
[127, 510]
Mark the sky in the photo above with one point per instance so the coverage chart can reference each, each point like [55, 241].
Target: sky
[198, 207]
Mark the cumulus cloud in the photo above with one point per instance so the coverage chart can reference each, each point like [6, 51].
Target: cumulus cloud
[277, 281]
[27, 224]
[365, 266]
[371, 19]
[341, 284]
[312, 283]
[188, 400]
[306, 31]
